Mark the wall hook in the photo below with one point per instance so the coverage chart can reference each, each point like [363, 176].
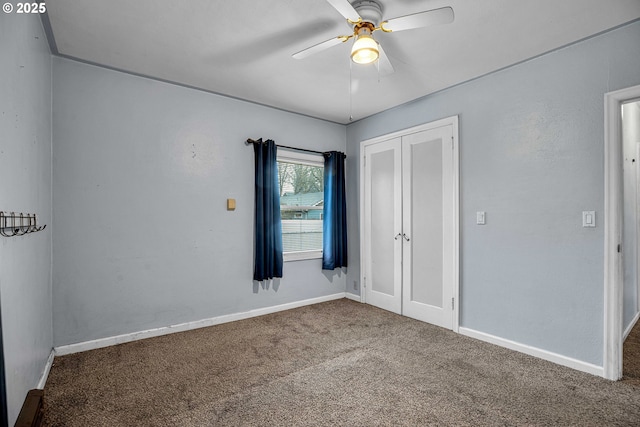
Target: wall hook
[13, 224]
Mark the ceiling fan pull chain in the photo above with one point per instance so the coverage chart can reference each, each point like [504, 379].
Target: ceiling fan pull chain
[350, 93]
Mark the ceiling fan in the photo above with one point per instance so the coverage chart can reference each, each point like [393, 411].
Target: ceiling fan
[366, 17]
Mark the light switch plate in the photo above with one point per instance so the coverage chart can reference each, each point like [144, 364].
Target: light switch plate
[480, 218]
[231, 204]
[588, 218]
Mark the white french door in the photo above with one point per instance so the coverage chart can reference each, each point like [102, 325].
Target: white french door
[383, 219]
[410, 214]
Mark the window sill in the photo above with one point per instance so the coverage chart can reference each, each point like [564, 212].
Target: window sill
[302, 255]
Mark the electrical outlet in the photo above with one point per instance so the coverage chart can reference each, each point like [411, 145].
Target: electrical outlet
[355, 285]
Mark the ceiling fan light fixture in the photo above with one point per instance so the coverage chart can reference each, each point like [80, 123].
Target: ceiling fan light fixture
[365, 49]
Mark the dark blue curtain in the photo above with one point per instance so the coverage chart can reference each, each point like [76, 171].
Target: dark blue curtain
[268, 239]
[334, 228]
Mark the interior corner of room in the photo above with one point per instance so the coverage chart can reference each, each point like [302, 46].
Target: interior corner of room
[146, 191]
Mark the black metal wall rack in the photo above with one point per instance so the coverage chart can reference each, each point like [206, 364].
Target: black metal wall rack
[18, 224]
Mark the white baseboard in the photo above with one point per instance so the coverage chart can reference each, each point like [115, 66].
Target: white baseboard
[149, 333]
[630, 327]
[536, 352]
[354, 297]
[47, 369]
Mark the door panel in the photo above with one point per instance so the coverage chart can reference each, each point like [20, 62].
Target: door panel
[424, 221]
[383, 216]
[382, 222]
[427, 219]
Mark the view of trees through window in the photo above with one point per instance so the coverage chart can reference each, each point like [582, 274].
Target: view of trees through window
[301, 205]
[297, 178]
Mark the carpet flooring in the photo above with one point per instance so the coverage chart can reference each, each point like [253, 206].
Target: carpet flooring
[631, 357]
[339, 363]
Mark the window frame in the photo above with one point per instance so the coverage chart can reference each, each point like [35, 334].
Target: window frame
[291, 156]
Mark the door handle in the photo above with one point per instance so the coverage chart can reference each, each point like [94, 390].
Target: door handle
[397, 235]
[405, 237]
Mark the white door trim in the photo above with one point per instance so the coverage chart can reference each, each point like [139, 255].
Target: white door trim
[448, 121]
[637, 241]
[613, 268]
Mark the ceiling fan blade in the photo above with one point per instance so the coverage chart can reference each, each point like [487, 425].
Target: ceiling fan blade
[345, 9]
[418, 20]
[320, 47]
[385, 67]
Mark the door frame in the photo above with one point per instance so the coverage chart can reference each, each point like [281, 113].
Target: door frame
[447, 121]
[637, 237]
[613, 210]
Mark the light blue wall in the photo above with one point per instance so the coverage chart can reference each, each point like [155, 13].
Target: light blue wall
[142, 171]
[532, 157]
[25, 186]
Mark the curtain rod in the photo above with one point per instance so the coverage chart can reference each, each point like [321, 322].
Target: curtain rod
[252, 141]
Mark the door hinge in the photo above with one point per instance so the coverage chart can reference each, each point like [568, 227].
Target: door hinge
[452, 303]
[619, 248]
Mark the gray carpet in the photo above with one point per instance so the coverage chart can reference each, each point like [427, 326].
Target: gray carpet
[631, 359]
[337, 363]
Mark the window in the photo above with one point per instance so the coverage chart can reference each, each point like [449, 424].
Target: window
[301, 179]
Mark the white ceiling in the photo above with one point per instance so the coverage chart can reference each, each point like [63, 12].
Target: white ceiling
[243, 48]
